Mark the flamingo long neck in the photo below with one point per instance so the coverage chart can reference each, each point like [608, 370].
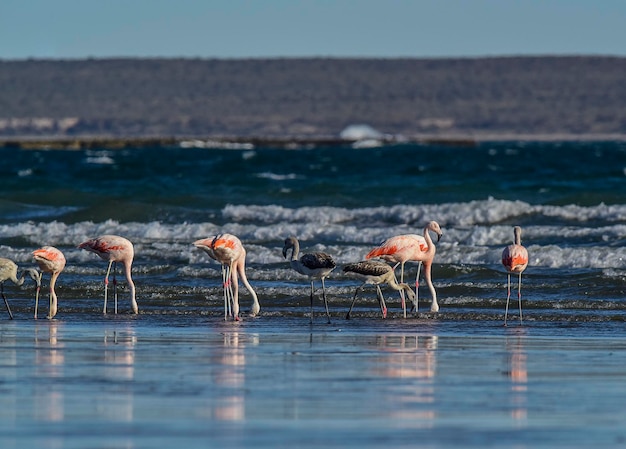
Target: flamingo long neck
[53, 296]
[241, 268]
[429, 242]
[393, 283]
[53, 281]
[295, 251]
[19, 281]
[517, 232]
[131, 285]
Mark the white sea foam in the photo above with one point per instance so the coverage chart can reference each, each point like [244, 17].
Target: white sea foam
[276, 176]
[471, 213]
[99, 157]
[474, 233]
[217, 144]
[100, 160]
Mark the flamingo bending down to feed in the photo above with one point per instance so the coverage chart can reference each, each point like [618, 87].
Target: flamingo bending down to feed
[50, 260]
[313, 265]
[412, 248]
[8, 272]
[114, 249]
[515, 260]
[228, 250]
[376, 272]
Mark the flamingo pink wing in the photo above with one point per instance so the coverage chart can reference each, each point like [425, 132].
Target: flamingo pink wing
[514, 257]
[49, 253]
[398, 244]
[49, 258]
[222, 242]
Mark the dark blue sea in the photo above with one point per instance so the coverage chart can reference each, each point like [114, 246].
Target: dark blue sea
[178, 373]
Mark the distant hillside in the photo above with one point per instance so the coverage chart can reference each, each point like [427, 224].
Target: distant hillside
[313, 97]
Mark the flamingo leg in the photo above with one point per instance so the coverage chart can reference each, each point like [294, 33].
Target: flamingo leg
[508, 297]
[50, 302]
[325, 301]
[37, 300]
[402, 297]
[417, 284]
[224, 292]
[353, 301]
[381, 301]
[519, 297]
[115, 286]
[311, 315]
[234, 289]
[6, 303]
[106, 287]
[228, 292]
[52, 311]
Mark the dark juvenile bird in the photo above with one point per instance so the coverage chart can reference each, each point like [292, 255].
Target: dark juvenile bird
[313, 265]
[376, 272]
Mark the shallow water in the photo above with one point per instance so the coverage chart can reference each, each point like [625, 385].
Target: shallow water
[148, 382]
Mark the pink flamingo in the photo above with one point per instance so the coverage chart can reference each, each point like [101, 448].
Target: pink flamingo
[313, 265]
[376, 272]
[228, 250]
[114, 249]
[414, 248]
[50, 260]
[8, 271]
[515, 260]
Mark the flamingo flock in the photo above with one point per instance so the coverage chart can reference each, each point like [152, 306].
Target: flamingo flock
[229, 252]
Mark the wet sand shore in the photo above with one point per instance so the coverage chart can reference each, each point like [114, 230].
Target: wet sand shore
[108, 142]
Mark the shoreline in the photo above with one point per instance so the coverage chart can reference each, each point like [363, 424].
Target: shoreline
[243, 142]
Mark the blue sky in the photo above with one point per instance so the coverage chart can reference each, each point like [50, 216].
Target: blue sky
[306, 28]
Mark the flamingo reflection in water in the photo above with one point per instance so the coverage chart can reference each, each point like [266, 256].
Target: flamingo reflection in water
[518, 374]
[412, 360]
[50, 351]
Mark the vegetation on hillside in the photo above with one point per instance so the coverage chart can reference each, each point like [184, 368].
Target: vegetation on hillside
[312, 97]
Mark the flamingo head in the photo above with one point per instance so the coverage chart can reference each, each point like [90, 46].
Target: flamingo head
[434, 226]
[34, 274]
[410, 294]
[290, 243]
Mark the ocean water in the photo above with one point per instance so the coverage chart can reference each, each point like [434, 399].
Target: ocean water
[179, 372]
